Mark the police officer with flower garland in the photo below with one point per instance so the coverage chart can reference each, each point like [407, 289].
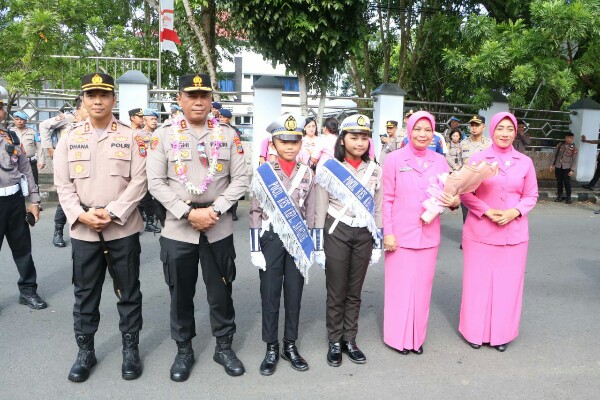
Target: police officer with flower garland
[100, 177]
[13, 165]
[197, 172]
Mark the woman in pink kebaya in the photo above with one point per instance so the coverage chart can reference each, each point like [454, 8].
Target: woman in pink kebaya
[495, 239]
[411, 245]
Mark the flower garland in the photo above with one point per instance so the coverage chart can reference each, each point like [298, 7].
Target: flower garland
[181, 168]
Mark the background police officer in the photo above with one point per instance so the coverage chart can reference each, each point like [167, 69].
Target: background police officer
[31, 144]
[136, 119]
[197, 171]
[565, 162]
[100, 176]
[13, 165]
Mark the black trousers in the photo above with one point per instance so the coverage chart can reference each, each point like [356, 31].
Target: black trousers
[348, 252]
[60, 219]
[89, 271]
[34, 170]
[281, 273]
[465, 212]
[16, 231]
[147, 205]
[596, 175]
[562, 179]
[180, 265]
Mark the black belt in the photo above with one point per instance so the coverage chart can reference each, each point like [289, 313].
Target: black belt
[107, 256]
[199, 205]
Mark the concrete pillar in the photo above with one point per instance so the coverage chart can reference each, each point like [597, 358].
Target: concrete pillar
[133, 93]
[585, 121]
[388, 105]
[499, 104]
[267, 107]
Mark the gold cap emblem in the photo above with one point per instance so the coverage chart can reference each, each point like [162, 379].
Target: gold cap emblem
[290, 124]
[97, 79]
[361, 121]
[197, 81]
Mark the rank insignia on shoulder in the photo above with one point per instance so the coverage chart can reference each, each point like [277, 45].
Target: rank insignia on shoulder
[113, 127]
[183, 124]
[153, 143]
[210, 124]
[87, 127]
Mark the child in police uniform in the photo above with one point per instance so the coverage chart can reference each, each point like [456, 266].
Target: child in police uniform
[281, 244]
[348, 207]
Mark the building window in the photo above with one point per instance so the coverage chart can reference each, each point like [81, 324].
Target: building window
[290, 84]
[226, 85]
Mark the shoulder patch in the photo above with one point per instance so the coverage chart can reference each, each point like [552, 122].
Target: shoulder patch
[141, 146]
[238, 144]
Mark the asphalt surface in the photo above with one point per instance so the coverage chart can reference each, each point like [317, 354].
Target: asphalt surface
[556, 355]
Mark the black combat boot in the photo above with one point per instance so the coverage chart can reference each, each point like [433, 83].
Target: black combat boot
[86, 358]
[225, 356]
[58, 240]
[269, 364]
[182, 366]
[151, 224]
[132, 365]
[290, 353]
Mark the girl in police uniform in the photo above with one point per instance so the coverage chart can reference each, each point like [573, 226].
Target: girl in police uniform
[275, 248]
[352, 232]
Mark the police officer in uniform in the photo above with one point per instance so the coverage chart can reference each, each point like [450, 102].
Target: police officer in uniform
[149, 123]
[565, 162]
[100, 177]
[136, 119]
[225, 118]
[394, 142]
[31, 146]
[13, 165]
[271, 238]
[197, 171]
[63, 123]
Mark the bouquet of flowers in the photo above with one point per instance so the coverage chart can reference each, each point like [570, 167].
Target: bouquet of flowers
[466, 180]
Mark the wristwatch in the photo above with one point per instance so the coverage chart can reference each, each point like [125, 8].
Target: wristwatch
[186, 215]
[112, 216]
[217, 209]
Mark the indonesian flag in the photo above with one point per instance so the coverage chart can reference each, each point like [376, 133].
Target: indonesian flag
[168, 36]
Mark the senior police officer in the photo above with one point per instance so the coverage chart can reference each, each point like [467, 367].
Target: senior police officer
[31, 145]
[13, 166]
[100, 176]
[197, 171]
[63, 123]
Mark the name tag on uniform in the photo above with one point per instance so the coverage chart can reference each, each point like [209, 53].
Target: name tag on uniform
[405, 169]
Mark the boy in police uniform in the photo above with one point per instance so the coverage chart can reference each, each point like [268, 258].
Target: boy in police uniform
[271, 239]
[100, 177]
[197, 170]
[14, 164]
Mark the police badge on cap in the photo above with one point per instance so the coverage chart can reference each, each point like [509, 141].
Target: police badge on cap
[357, 123]
[137, 112]
[194, 83]
[97, 81]
[287, 127]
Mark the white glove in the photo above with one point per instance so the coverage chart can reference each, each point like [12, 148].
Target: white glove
[375, 256]
[258, 260]
[320, 258]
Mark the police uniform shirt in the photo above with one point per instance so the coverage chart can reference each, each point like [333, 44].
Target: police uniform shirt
[393, 144]
[304, 194]
[565, 156]
[470, 147]
[101, 168]
[229, 183]
[33, 149]
[324, 199]
[12, 166]
[63, 121]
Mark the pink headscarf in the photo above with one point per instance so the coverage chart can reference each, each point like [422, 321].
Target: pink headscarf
[495, 121]
[410, 124]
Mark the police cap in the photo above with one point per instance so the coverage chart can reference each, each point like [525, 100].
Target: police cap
[97, 81]
[195, 83]
[287, 127]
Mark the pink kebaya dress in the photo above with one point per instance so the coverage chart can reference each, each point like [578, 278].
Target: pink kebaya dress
[495, 256]
[409, 270]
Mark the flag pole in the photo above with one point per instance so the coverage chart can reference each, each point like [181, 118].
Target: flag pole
[159, 66]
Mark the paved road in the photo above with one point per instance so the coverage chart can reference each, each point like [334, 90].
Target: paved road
[556, 355]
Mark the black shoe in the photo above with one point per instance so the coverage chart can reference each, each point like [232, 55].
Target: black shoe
[234, 216]
[460, 247]
[558, 199]
[57, 239]
[334, 355]
[588, 187]
[597, 212]
[86, 358]
[32, 301]
[290, 353]
[419, 351]
[403, 351]
[132, 365]
[569, 201]
[184, 360]
[225, 356]
[354, 353]
[269, 364]
[151, 225]
[501, 348]
[474, 345]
